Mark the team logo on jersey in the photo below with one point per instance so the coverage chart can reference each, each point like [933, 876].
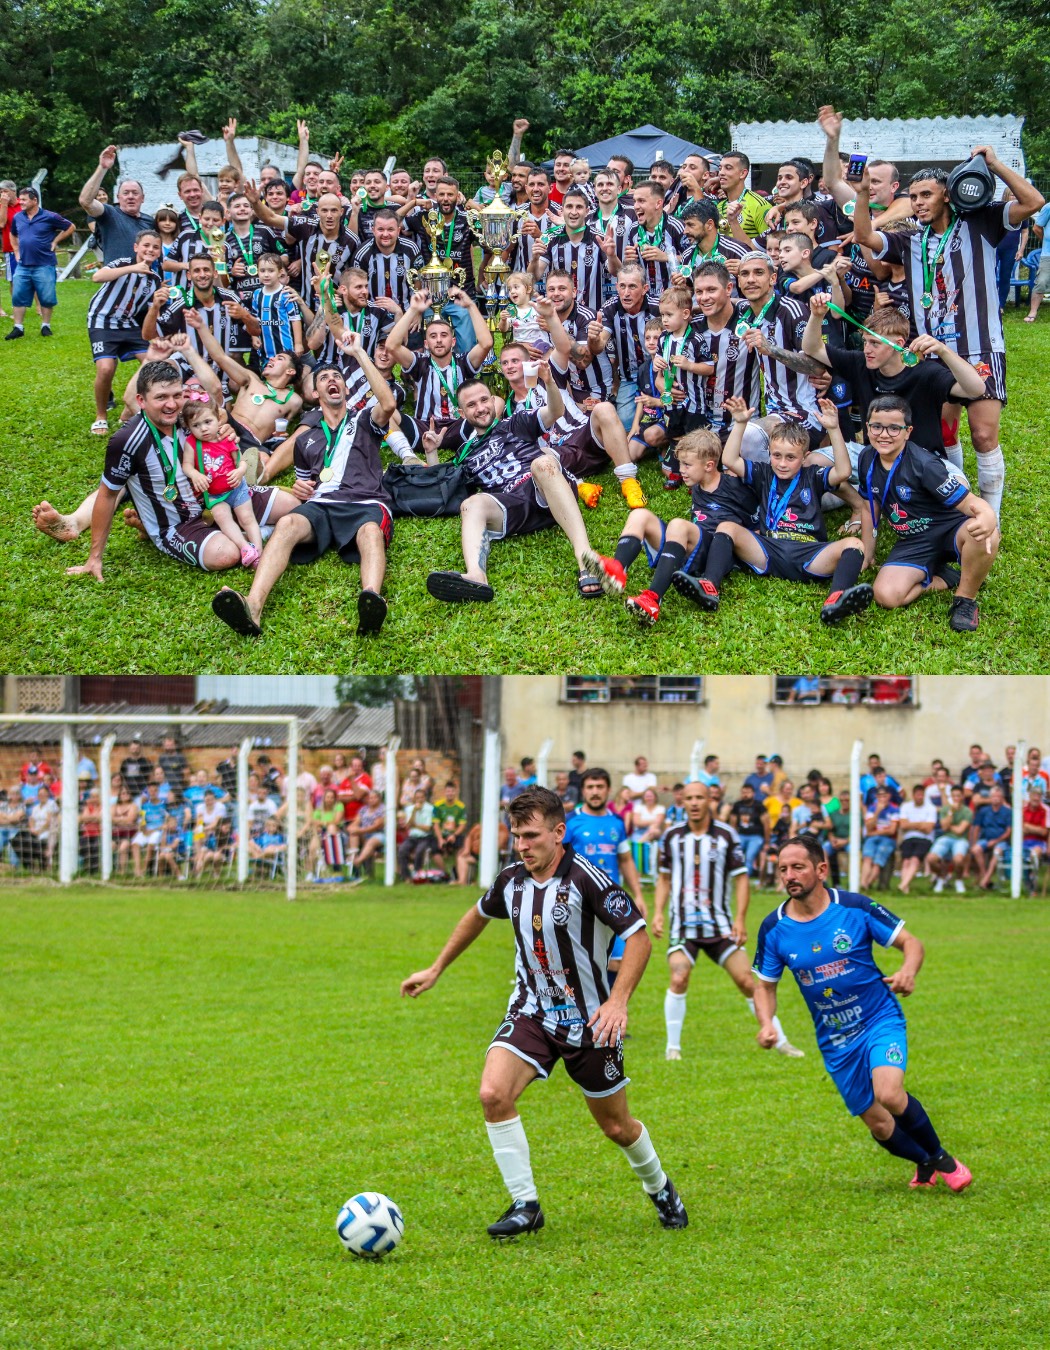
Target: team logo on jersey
[537, 922]
[611, 1070]
[560, 914]
[949, 486]
[805, 496]
[904, 493]
[124, 467]
[617, 904]
[790, 516]
[829, 992]
[515, 911]
[842, 942]
[816, 947]
[896, 514]
[805, 977]
[894, 1054]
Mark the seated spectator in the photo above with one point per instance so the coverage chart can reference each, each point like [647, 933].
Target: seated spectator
[992, 821]
[270, 776]
[838, 838]
[806, 689]
[1034, 772]
[880, 843]
[269, 845]
[152, 814]
[227, 771]
[782, 802]
[970, 773]
[647, 825]
[675, 813]
[368, 831]
[809, 817]
[509, 789]
[419, 840]
[979, 789]
[750, 819]
[325, 780]
[1036, 830]
[918, 822]
[327, 838]
[90, 825]
[719, 806]
[938, 791]
[35, 844]
[468, 855]
[450, 821]
[163, 786]
[883, 780]
[951, 849]
[12, 819]
[136, 768]
[640, 779]
[567, 794]
[261, 806]
[210, 834]
[377, 772]
[623, 806]
[827, 795]
[125, 826]
[172, 850]
[417, 778]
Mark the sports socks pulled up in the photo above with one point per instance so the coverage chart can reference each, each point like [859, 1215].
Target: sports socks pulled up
[510, 1148]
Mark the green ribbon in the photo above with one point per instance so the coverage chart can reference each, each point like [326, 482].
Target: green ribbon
[909, 358]
[929, 269]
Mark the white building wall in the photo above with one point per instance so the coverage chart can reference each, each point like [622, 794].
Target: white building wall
[261, 691]
[147, 164]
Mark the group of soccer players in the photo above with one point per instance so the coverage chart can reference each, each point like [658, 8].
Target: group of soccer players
[680, 314]
[581, 949]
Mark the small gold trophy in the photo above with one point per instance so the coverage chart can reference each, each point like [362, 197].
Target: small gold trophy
[439, 273]
[494, 227]
[217, 251]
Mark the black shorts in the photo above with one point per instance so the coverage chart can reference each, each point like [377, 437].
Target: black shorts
[113, 344]
[524, 508]
[597, 1072]
[716, 949]
[915, 848]
[680, 422]
[992, 366]
[186, 542]
[579, 453]
[336, 525]
[789, 559]
[925, 551]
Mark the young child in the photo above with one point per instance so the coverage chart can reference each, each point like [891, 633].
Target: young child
[173, 268]
[679, 366]
[773, 239]
[649, 426]
[792, 541]
[282, 326]
[799, 277]
[212, 457]
[680, 547]
[520, 318]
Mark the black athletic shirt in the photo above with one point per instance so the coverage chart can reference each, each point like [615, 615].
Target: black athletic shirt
[923, 493]
[802, 520]
[925, 386]
[732, 500]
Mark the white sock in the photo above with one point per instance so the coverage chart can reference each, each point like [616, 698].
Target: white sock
[991, 471]
[953, 454]
[19, 326]
[674, 1016]
[625, 471]
[642, 1157]
[510, 1148]
[398, 442]
[781, 1038]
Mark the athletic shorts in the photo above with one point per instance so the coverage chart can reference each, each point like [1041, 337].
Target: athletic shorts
[950, 846]
[524, 509]
[880, 848]
[618, 948]
[336, 525]
[927, 550]
[112, 344]
[147, 840]
[884, 1044]
[716, 949]
[580, 454]
[597, 1072]
[992, 366]
[680, 422]
[789, 559]
[186, 542]
[915, 848]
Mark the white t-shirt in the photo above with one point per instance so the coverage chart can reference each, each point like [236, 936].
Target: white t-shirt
[913, 815]
[638, 782]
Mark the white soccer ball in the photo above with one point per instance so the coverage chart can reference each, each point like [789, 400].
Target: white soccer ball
[370, 1225]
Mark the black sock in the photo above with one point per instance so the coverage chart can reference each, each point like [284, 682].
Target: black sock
[847, 569]
[902, 1145]
[669, 562]
[719, 558]
[914, 1120]
[627, 549]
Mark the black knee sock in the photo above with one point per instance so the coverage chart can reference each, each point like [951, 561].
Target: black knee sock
[847, 569]
[671, 559]
[719, 559]
[914, 1120]
[627, 549]
[902, 1145]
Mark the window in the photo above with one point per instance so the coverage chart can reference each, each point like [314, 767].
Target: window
[634, 689]
[880, 691]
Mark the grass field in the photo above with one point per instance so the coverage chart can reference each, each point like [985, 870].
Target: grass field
[194, 1083]
[153, 615]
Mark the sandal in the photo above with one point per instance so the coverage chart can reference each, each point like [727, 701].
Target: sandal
[589, 586]
[454, 587]
[850, 528]
[100, 427]
[232, 608]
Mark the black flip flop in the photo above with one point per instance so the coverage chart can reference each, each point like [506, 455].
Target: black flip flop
[371, 611]
[451, 586]
[232, 608]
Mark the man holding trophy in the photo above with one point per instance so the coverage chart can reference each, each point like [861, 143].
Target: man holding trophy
[445, 231]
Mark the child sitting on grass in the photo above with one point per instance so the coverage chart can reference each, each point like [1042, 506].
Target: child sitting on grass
[211, 461]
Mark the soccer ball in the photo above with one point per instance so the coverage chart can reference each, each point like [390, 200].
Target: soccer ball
[370, 1224]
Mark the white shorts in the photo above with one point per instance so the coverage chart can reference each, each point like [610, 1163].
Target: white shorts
[144, 840]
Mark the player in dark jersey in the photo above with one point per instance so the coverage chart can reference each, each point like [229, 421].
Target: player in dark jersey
[565, 914]
[703, 243]
[590, 375]
[772, 326]
[387, 258]
[342, 505]
[324, 233]
[621, 323]
[218, 306]
[114, 321]
[792, 540]
[246, 242]
[825, 939]
[540, 219]
[736, 366]
[936, 520]
[655, 241]
[348, 311]
[950, 274]
[703, 874]
[438, 370]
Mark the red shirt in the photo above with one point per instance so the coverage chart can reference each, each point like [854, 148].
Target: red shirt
[1034, 815]
[345, 790]
[12, 211]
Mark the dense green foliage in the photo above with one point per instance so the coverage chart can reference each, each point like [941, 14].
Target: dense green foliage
[408, 78]
[195, 1082]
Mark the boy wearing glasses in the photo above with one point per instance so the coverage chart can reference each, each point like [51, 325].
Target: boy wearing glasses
[946, 538]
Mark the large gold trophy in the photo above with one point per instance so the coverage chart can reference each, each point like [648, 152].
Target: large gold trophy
[495, 227]
[440, 273]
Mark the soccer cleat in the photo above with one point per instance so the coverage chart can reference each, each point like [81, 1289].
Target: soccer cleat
[14, 334]
[669, 1206]
[644, 607]
[45, 330]
[925, 1176]
[524, 1216]
[790, 1051]
[958, 1176]
[840, 604]
[698, 589]
[589, 493]
[610, 573]
[672, 1052]
[964, 615]
[632, 493]
[672, 481]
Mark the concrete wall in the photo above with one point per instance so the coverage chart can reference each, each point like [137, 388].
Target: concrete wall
[738, 720]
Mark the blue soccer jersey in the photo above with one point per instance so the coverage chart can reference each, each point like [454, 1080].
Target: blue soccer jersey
[600, 839]
[831, 960]
[275, 313]
[152, 814]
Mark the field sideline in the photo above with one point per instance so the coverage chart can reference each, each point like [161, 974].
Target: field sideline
[196, 1081]
[153, 615]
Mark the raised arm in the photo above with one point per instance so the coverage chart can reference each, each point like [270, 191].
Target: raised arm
[555, 406]
[563, 344]
[237, 373]
[831, 170]
[261, 210]
[229, 133]
[483, 343]
[864, 232]
[1027, 199]
[518, 131]
[89, 192]
[813, 337]
[386, 404]
[189, 157]
[411, 319]
[732, 459]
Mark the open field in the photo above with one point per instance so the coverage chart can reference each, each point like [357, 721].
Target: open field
[153, 615]
[195, 1082]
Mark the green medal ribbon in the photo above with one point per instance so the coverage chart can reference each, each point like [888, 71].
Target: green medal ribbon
[669, 343]
[331, 441]
[450, 390]
[356, 321]
[746, 324]
[603, 225]
[248, 254]
[909, 358]
[655, 240]
[271, 393]
[464, 449]
[170, 467]
[448, 240]
[930, 268]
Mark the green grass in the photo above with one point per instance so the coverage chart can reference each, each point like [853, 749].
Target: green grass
[195, 1082]
[153, 615]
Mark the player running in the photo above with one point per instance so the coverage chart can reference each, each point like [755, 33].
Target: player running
[825, 938]
[565, 913]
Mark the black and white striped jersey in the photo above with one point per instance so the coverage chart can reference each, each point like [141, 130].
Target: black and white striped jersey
[788, 394]
[594, 380]
[436, 386]
[585, 260]
[388, 272]
[563, 930]
[118, 305]
[669, 237]
[310, 241]
[171, 318]
[701, 868]
[621, 220]
[369, 323]
[736, 372]
[133, 461]
[523, 249]
[628, 333]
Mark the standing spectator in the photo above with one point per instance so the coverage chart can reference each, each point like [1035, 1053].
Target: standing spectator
[416, 778]
[838, 836]
[640, 779]
[86, 769]
[354, 788]
[9, 208]
[880, 843]
[175, 765]
[992, 821]
[35, 764]
[90, 822]
[761, 780]
[938, 793]
[378, 771]
[867, 780]
[918, 822]
[882, 780]
[970, 773]
[675, 813]
[38, 234]
[567, 794]
[270, 774]
[647, 825]
[1034, 772]
[450, 822]
[419, 840]
[951, 848]
[708, 775]
[135, 768]
[116, 227]
[579, 767]
[749, 817]
[125, 825]
[527, 773]
[227, 771]
[509, 789]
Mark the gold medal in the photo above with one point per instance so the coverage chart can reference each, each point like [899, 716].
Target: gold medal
[326, 475]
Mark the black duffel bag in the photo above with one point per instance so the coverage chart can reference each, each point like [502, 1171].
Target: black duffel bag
[427, 490]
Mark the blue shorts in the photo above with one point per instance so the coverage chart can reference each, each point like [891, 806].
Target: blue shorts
[790, 559]
[38, 281]
[926, 551]
[886, 1043]
[880, 848]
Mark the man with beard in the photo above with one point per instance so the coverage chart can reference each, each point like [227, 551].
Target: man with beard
[540, 220]
[736, 373]
[386, 258]
[622, 321]
[348, 311]
[454, 245]
[574, 248]
[437, 371]
[217, 306]
[590, 374]
[610, 221]
[654, 240]
[563, 162]
[702, 242]
[328, 235]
